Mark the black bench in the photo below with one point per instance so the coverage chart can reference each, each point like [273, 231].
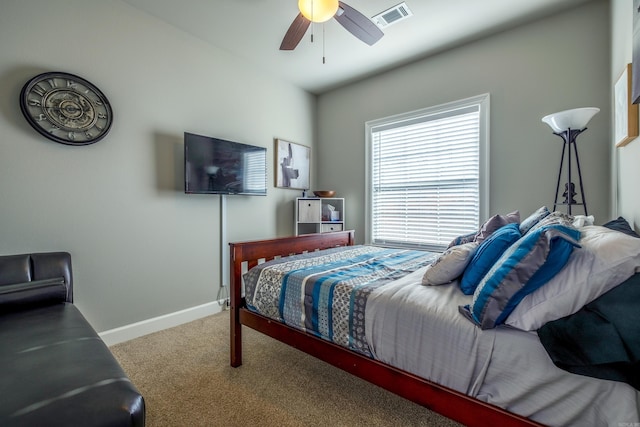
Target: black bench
[55, 369]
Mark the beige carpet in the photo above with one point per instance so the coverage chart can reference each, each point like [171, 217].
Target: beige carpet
[184, 375]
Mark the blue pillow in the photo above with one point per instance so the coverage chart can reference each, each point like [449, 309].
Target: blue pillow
[527, 265]
[486, 255]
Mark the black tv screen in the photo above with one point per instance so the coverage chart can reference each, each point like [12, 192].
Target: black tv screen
[218, 166]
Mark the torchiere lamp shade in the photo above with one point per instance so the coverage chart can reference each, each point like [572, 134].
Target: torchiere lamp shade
[576, 118]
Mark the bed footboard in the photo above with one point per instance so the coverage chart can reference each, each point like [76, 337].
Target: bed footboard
[255, 252]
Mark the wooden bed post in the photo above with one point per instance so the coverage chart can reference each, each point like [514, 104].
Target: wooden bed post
[236, 303]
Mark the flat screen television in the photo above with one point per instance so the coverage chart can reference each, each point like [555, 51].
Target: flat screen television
[218, 166]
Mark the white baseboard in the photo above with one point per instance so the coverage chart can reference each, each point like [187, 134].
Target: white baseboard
[138, 329]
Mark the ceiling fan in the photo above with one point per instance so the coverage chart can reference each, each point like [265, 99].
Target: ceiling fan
[323, 10]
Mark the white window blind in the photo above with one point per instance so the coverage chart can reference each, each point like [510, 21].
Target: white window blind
[425, 176]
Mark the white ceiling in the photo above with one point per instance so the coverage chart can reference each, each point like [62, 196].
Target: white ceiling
[253, 30]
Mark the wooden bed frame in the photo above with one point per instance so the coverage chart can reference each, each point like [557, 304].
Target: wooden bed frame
[445, 401]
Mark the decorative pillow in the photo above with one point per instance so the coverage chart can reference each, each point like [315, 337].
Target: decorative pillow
[607, 258]
[46, 291]
[489, 226]
[556, 217]
[580, 221]
[486, 255]
[450, 264]
[461, 240]
[533, 219]
[621, 225]
[524, 267]
[494, 223]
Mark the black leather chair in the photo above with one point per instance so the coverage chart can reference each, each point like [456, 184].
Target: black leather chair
[55, 369]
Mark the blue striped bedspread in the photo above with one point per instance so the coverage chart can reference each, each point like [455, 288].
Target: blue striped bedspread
[325, 292]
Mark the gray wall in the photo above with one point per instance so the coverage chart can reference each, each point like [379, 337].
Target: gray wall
[626, 159]
[141, 248]
[554, 64]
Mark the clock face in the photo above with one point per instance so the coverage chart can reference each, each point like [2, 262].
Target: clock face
[66, 108]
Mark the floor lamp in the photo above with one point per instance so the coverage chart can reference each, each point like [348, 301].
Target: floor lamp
[568, 125]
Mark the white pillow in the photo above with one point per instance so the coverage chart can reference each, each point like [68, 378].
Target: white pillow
[606, 259]
[450, 264]
[580, 221]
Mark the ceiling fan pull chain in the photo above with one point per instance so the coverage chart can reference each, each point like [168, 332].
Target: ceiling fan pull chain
[324, 38]
[312, 21]
[313, 27]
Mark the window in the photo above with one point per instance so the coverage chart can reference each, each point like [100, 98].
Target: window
[427, 174]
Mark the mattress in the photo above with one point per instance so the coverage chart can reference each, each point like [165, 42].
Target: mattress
[420, 330]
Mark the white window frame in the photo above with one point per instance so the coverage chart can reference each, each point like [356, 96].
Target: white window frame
[483, 102]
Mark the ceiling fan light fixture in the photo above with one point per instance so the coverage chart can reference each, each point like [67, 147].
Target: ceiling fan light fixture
[318, 10]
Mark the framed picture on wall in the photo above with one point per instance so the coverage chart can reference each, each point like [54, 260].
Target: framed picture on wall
[625, 112]
[292, 165]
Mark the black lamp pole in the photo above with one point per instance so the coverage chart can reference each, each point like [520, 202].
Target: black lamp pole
[569, 137]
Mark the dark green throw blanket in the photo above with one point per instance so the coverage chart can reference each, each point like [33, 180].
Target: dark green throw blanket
[602, 339]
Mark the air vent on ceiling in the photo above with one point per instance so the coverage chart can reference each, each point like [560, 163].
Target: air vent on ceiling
[391, 16]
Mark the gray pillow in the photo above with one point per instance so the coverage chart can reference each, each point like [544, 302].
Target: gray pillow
[496, 222]
[487, 229]
[554, 218]
[533, 219]
[450, 264]
[621, 225]
[461, 240]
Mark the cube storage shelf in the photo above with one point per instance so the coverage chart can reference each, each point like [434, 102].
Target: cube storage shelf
[319, 215]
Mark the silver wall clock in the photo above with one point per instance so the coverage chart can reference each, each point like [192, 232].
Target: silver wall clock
[66, 108]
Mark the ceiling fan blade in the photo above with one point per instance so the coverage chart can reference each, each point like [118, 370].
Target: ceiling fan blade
[295, 33]
[358, 24]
